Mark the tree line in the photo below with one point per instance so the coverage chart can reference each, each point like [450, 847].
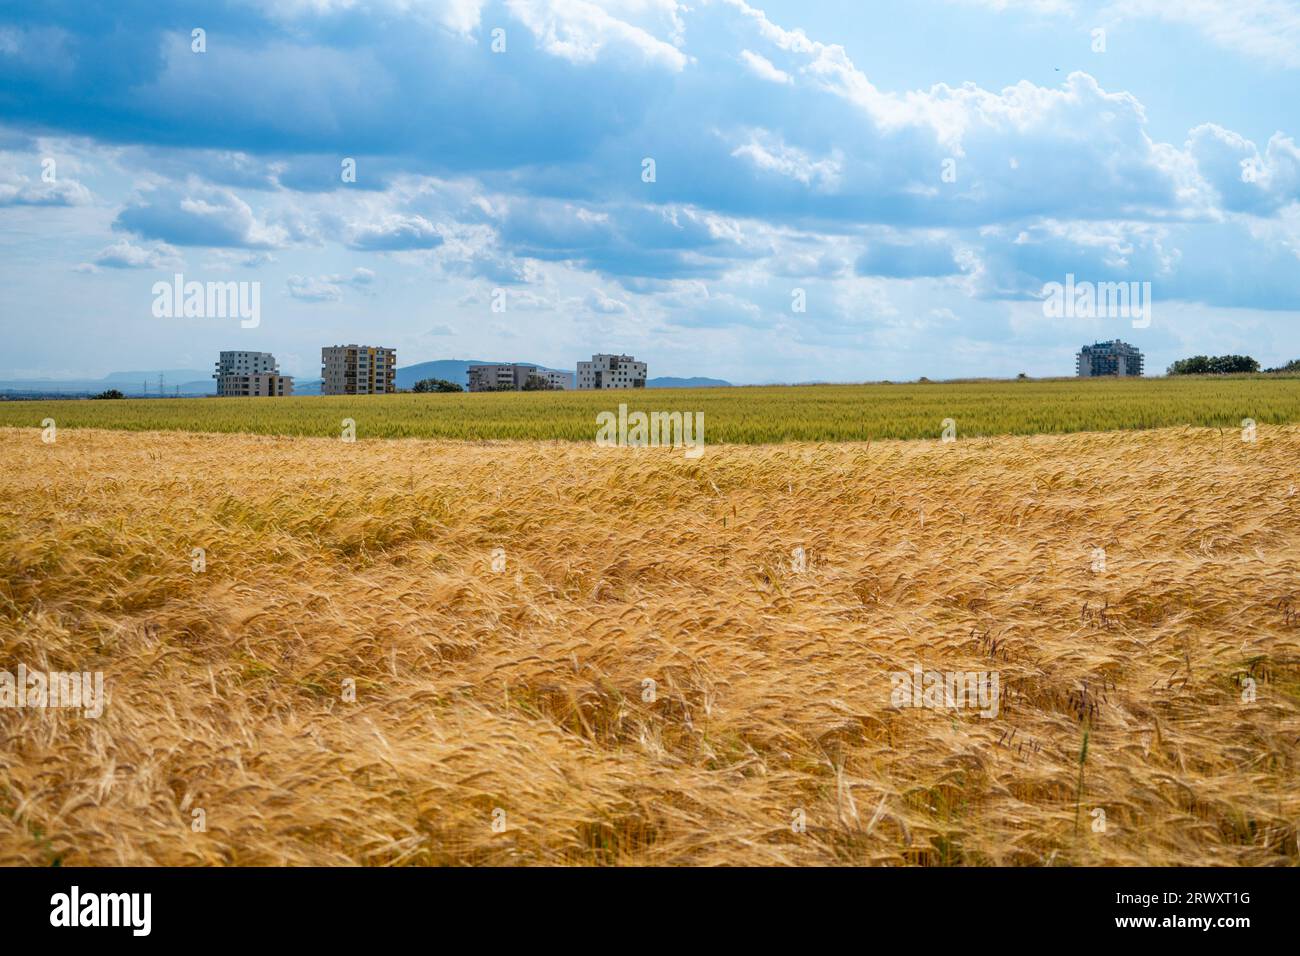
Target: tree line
[1225, 365]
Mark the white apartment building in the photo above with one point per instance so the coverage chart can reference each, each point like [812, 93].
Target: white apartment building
[492, 378]
[560, 381]
[611, 371]
[251, 374]
[496, 378]
[1108, 358]
[358, 370]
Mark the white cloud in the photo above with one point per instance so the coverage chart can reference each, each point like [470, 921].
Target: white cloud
[598, 301]
[582, 31]
[194, 214]
[1245, 179]
[125, 255]
[395, 231]
[767, 152]
[762, 67]
[1267, 29]
[459, 16]
[314, 289]
[17, 189]
[328, 288]
[1032, 6]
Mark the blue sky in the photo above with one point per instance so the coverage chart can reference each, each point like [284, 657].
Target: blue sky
[796, 146]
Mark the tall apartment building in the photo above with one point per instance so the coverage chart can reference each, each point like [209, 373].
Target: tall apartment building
[358, 370]
[495, 378]
[1108, 358]
[253, 374]
[611, 371]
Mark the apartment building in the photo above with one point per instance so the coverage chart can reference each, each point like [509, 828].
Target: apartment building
[358, 370]
[560, 381]
[493, 378]
[611, 371]
[1108, 358]
[496, 378]
[251, 374]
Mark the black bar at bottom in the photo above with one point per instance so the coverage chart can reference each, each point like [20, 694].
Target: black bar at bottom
[334, 906]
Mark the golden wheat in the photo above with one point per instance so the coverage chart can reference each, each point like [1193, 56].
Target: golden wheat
[516, 697]
[742, 416]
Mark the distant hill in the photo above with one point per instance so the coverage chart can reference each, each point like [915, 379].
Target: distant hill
[190, 381]
[171, 376]
[451, 370]
[669, 382]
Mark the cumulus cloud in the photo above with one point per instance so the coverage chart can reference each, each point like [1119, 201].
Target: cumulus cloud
[312, 289]
[629, 240]
[198, 215]
[769, 154]
[394, 232]
[582, 31]
[763, 68]
[598, 301]
[126, 255]
[327, 288]
[798, 134]
[17, 189]
[1246, 179]
[778, 157]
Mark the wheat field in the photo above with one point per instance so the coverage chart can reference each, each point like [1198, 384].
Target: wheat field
[744, 416]
[502, 710]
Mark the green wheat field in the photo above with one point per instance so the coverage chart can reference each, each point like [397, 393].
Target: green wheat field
[750, 416]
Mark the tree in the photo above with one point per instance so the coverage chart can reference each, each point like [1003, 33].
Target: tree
[111, 393]
[1291, 366]
[1229, 364]
[436, 385]
[1196, 365]
[536, 383]
[1214, 365]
